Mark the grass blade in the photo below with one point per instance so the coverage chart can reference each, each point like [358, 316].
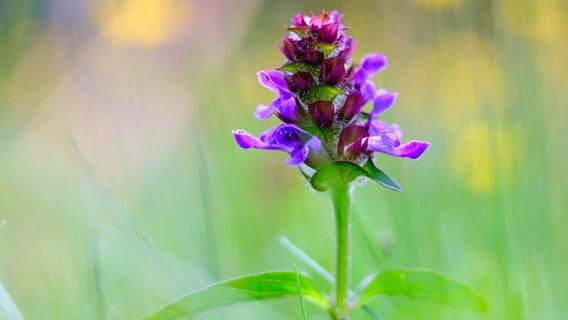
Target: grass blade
[300, 294]
[305, 258]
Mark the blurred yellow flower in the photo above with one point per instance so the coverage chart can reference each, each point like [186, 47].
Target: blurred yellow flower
[485, 156]
[141, 22]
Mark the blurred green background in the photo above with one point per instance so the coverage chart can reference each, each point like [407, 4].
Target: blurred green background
[121, 186]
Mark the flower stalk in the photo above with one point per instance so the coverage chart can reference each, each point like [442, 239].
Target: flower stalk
[341, 201]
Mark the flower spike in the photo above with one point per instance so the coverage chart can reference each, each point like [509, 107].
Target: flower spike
[321, 95]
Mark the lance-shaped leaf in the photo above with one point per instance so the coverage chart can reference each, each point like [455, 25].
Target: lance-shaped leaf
[380, 177]
[262, 286]
[344, 172]
[422, 285]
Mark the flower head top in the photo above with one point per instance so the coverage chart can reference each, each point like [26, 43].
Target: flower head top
[320, 97]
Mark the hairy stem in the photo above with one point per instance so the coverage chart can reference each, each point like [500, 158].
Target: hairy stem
[341, 200]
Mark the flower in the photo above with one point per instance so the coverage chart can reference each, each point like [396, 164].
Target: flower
[320, 97]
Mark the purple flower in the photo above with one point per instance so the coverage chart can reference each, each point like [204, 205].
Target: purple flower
[386, 139]
[284, 105]
[320, 98]
[289, 138]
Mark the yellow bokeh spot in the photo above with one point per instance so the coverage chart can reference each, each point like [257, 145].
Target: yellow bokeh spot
[539, 20]
[485, 156]
[141, 22]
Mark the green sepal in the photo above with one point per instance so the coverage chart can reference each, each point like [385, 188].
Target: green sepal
[296, 66]
[302, 32]
[325, 48]
[262, 286]
[345, 172]
[380, 177]
[319, 93]
[420, 285]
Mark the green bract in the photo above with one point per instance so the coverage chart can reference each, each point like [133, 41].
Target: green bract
[344, 172]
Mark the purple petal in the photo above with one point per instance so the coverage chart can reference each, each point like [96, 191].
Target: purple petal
[246, 140]
[286, 108]
[297, 156]
[383, 100]
[412, 149]
[336, 16]
[274, 81]
[314, 144]
[371, 64]
[264, 112]
[368, 90]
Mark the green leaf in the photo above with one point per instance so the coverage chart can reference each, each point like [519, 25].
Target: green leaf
[319, 93]
[296, 66]
[380, 177]
[262, 286]
[421, 285]
[336, 174]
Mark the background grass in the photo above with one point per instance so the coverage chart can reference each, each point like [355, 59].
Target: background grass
[122, 187]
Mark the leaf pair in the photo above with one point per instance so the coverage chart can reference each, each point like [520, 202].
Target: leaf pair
[420, 285]
[344, 172]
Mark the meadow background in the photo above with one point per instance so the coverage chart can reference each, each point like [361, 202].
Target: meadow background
[121, 186]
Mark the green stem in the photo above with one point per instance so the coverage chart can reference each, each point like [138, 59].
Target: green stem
[341, 200]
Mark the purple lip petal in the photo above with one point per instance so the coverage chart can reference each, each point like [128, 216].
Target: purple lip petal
[412, 149]
[246, 140]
